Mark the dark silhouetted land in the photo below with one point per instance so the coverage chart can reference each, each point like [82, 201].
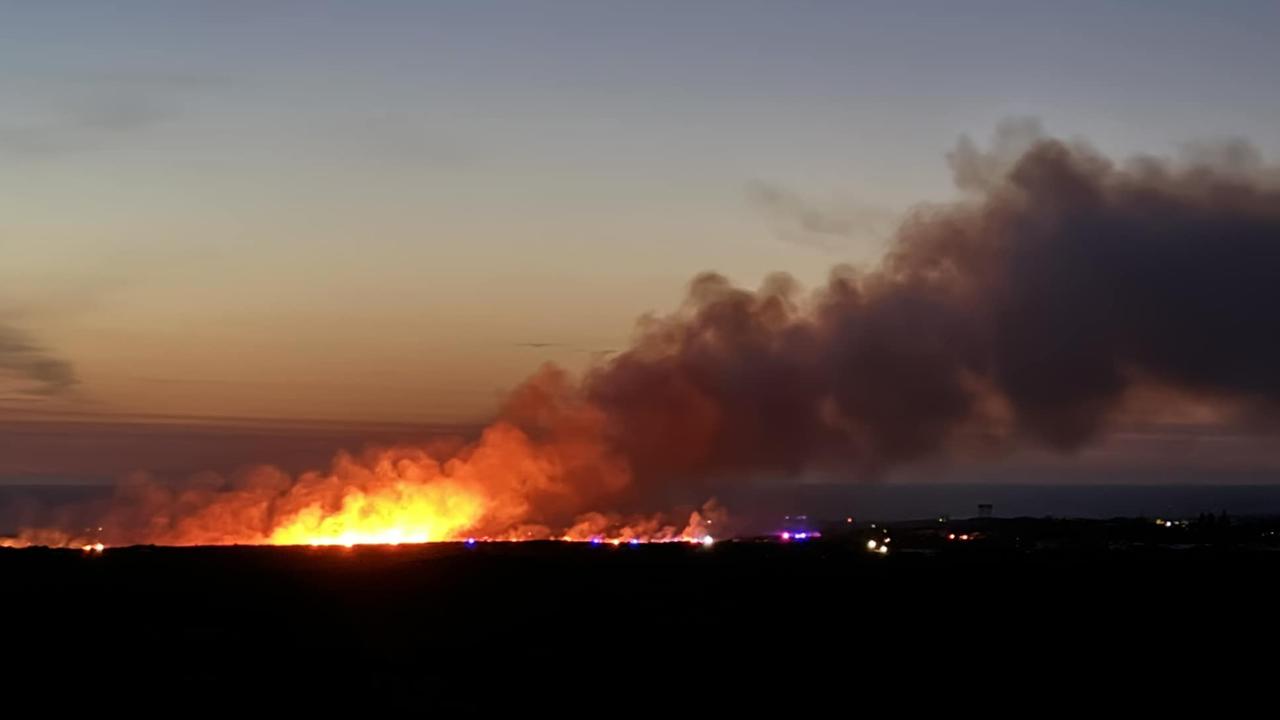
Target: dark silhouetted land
[515, 626]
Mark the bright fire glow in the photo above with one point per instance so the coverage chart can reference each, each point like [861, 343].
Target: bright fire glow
[507, 485]
[400, 513]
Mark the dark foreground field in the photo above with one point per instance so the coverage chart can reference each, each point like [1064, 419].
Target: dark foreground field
[504, 626]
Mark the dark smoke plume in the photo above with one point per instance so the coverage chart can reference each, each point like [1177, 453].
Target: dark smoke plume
[1025, 312]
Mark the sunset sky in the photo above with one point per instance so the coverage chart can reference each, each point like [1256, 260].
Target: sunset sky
[393, 211]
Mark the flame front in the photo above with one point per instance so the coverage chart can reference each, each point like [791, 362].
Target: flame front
[531, 477]
[401, 513]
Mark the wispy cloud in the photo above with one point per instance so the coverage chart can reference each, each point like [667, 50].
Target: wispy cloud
[29, 371]
[826, 226]
[68, 114]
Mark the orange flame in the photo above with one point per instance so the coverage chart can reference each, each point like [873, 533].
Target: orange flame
[400, 513]
[549, 459]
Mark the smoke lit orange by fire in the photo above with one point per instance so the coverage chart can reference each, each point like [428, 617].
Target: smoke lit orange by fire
[510, 484]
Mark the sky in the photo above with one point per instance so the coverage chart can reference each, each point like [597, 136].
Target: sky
[391, 212]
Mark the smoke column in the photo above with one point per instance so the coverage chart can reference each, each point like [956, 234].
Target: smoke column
[1025, 313]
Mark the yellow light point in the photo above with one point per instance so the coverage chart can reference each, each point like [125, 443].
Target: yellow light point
[883, 549]
[871, 544]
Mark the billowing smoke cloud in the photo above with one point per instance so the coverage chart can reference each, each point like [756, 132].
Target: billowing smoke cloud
[26, 369]
[1025, 313]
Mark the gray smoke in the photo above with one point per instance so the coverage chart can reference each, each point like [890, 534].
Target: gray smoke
[1027, 311]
